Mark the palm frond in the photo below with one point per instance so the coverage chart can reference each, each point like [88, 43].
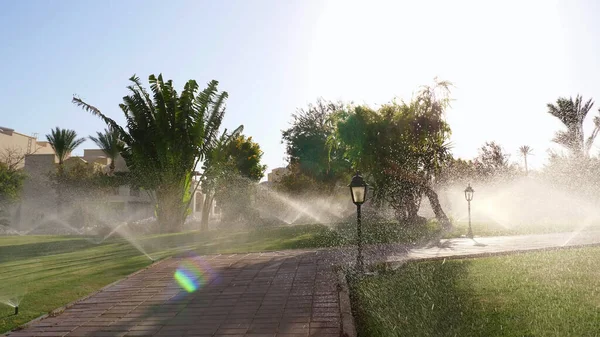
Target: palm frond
[110, 122]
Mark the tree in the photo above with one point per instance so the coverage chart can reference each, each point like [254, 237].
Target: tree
[234, 169]
[165, 137]
[401, 148]
[63, 142]
[307, 146]
[526, 151]
[572, 114]
[492, 162]
[214, 166]
[457, 171]
[13, 157]
[11, 183]
[110, 144]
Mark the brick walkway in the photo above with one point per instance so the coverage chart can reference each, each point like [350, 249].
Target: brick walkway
[290, 293]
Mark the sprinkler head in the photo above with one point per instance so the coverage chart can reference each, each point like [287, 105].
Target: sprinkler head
[16, 310]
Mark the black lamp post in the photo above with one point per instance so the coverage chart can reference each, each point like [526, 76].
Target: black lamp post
[469, 196]
[358, 191]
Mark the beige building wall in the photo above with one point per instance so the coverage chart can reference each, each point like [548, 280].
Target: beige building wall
[98, 156]
[277, 174]
[21, 144]
[38, 199]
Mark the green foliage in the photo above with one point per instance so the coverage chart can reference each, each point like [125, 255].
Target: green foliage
[307, 148]
[81, 179]
[295, 182]
[165, 136]
[457, 171]
[63, 142]
[493, 162]
[400, 147]
[572, 114]
[11, 183]
[109, 142]
[577, 175]
[245, 155]
[234, 188]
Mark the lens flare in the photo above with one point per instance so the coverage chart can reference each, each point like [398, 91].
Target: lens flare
[193, 274]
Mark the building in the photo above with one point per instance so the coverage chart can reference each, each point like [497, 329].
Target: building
[277, 174]
[16, 145]
[39, 199]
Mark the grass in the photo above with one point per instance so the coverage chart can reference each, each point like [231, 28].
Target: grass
[551, 293]
[493, 229]
[51, 271]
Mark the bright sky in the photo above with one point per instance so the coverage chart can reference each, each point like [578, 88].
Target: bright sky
[507, 59]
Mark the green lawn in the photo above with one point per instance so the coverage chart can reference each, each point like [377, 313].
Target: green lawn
[494, 229]
[52, 271]
[551, 293]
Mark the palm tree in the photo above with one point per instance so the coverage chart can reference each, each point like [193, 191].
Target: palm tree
[572, 113]
[110, 144]
[165, 137]
[63, 142]
[526, 151]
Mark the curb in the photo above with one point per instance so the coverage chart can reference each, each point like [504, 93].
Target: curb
[60, 310]
[348, 329]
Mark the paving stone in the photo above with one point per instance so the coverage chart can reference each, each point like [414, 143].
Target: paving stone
[260, 294]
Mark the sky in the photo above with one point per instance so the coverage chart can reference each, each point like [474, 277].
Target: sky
[507, 60]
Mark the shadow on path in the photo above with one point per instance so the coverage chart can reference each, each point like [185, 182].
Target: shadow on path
[269, 294]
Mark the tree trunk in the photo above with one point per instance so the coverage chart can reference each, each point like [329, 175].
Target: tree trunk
[170, 212]
[526, 169]
[59, 190]
[208, 200]
[437, 208]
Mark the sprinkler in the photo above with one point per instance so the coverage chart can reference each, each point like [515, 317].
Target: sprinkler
[16, 310]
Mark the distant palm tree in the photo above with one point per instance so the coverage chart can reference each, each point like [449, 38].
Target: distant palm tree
[572, 113]
[109, 143]
[526, 151]
[63, 142]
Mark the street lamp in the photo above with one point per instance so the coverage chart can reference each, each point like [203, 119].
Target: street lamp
[469, 196]
[358, 191]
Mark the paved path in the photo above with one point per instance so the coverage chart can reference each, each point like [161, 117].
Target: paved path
[290, 293]
[497, 245]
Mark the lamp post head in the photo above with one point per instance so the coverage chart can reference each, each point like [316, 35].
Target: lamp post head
[469, 193]
[358, 189]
